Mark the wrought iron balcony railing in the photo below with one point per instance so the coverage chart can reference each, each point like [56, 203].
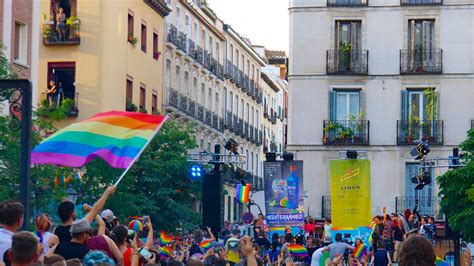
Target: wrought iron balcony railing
[173, 96]
[229, 69]
[183, 103]
[235, 123]
[240, 128]
[347, 3]
[353, 62]
[59, 99]
[421, 61]
[172, 34]
[426, 205]
[346, 132]
[215, 121]
[192, 108]
[200, 55]
[192, 50]
[70, 35]
[251, 133]
[255, 136]
[221, 124]
[220, 71]
[235, 78]
[228, 120]
[420, 2]
[246, 129]
[412, 132]
[182, 39]
[200, 112]
[208, 118]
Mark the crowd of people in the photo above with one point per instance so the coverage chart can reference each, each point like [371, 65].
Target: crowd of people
[406, 240]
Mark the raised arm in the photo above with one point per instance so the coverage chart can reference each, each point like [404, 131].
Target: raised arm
[99, 204]
[115, 250]
[149, 238]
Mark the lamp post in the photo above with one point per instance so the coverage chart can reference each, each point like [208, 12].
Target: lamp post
[72, 194]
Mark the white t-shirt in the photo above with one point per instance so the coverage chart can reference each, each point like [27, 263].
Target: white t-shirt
[316, 256]
[327, 233]
[46, 237]
[5, 241]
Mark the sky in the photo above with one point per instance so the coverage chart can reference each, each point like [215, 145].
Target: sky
[264, 22]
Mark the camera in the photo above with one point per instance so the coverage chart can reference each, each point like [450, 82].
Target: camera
[348, 239]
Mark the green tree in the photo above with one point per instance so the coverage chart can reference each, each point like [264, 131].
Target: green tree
[457, 192]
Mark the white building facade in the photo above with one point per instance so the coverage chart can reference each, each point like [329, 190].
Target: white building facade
[379, 76]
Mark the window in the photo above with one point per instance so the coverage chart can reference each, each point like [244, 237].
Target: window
[156, 53]
[421, 34]
[237, 105]
[248, 68]
[178, 73]
[248, 113]
[344, 104]
[168, 74]
[217, 52]
[237, 55]
[231, 54]
[196, 33]
[253, 72]
[64, 75]
[142, 97]
[186, 83]
[242, 110]
[348, 35]
[211, 45]
[209, 99]
[425, 196]
[231, 101]
[419, 105]
[225, 101]
[20, 45]
[257, 125]
[195, 88]
[203, 94]
[203, 36]
[130, 27]
[252, 117]
[208, 147]
[187, 22]
[178, 18]
[251, 162]
[243, 63]
[143, 41]
[129, 92]
[154, 103]
[201, 144]
[216, 103]
[247, 160]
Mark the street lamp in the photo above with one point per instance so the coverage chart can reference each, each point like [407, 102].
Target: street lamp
[72, 194]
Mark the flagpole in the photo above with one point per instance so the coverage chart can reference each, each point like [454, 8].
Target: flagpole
[140, 153]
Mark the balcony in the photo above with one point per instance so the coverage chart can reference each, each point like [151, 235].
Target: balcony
[172, 34]
[69, 34]
[208, 118]
[353, 62]
[207, 60]
[426, 205]
[412, 132]
[220, 71]
[346, 132]
[421, 2]
[200, 55]
[235, 123]
[251, 133]
[181, 44]
[229, 70]
[221, 124]
[246, 129]
[200, 112]
[66, 100]
[183, 103]
[173, 96]
[347, 3]
[421, 61]
[192, 108]
[240, 127]
[192, 50]
[228, 120]
[260, 137]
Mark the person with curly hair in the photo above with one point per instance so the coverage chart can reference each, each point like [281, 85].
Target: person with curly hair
[417, 251]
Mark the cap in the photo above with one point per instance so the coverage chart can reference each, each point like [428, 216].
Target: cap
[80, 226]
[108, 215]
[97, 257]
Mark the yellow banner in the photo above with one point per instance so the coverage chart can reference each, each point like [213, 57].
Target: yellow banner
[350, 193]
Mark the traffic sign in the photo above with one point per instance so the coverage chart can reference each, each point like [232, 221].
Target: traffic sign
[247, 218]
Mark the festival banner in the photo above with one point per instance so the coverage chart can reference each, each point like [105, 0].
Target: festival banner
[350, 193]
[284, 194]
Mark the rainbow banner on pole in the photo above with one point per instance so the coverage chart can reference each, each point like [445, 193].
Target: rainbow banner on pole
[116, 137]
[243, 193]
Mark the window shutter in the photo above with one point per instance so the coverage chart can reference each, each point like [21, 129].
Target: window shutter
[362, 105]
[435, 105]
[332, 105]
[355, 36]
[404, 105]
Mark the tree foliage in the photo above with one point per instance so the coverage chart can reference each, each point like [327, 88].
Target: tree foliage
[457, 192]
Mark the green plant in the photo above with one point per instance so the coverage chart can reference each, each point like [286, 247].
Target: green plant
[143, 110]
[345, 133]
[71, 20]
[55, 113]
[346, 49]
[129, 106]
[47, 33]
[133, 40]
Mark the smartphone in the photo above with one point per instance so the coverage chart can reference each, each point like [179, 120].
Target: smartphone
[146, 219]
[131, 232]
[145, 253]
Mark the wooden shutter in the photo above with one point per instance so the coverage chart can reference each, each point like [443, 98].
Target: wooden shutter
[332, 105]
[362, 105]
[355, 36]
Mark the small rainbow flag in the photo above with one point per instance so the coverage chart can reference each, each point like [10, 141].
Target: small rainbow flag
[165, 239]
[360, 250]
[117, 137]
[207, 244]
[441, 262]
[243, 193]
[297, 250]
[164, 252]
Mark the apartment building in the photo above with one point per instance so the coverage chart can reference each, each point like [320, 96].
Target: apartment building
[19, 32]
[379, 76]
[212, 78]
[103, 55]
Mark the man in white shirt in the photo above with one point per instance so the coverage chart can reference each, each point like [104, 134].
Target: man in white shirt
[11, 218]
[317, 256]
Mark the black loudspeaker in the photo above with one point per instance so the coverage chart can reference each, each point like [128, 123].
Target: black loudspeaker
[211, 201]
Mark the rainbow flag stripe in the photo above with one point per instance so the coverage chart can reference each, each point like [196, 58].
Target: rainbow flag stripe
[297, 250]
[164, 252]
[243, 193]
[441, 262]
[117, 137]
[207, 244]
[360, 250]
[165, 239]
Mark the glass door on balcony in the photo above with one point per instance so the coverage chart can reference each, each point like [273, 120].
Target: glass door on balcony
[419, 111]
[348, 39]
[347, 105]
[64, 76]
[421, 42]
[425, 196]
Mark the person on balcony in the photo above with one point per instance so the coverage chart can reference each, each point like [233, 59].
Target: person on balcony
[61, 24]
[51, 93]
[60, 94]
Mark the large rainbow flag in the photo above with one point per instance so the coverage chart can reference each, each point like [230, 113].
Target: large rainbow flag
[117, 137]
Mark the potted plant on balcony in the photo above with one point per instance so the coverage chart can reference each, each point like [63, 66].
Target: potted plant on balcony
[345, 49]
[73, 25]
[130, 107]
[331, 129]
[345, 135]
[133, 40]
